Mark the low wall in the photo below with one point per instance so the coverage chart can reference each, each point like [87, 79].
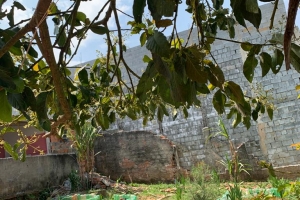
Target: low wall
[137, 156]
[36, 173]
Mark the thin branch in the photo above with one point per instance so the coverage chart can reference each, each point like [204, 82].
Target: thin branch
[273, 14]
[39, 13]
[190, 33]
[124, 13]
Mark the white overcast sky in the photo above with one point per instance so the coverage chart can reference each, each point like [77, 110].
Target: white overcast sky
[93, 42]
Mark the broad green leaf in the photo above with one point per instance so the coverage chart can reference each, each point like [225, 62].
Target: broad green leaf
[10, 16]
[202, 88]
[31, 51]
[145, 83]
[9, 149]
[83, 76]
[81, 16]
[17, 101]
[20, 84]
[163, 23]
[231, 29]
[41, 107]
[143, 38]
[236, 6]
[277, 60]
[234, 92]
[252, 6]
[253, 18]
[254, 115]
[249, 67]
[102, 119]
[255, 49]
[138, 10]
[19, 5]
[265, 63]
[52, 8]
[100, 30]
[159, 8]
[7, 81]
[216, 75]
[237, 120]
[270, 112]
[29, 98]
[246, 46]
[219, 100]
[194, 70]
[246, 122]
[15, 50]
[158, 43]
[6, 109]
[61, 36]
[146, 59]
[295, 56]
[217, 3]
[231, 113]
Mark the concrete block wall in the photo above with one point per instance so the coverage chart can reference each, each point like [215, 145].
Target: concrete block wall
[266, 139]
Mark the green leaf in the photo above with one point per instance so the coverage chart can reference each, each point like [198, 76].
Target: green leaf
[163, 23]
[249, 67]
[234, 92]
[145, 83]
[159, 8]
[83, 76]
[246, 122]
[100, 30]
[202, 88]
[237, 120]
[254, 115]
[31, 50]
[295, 56]
[19, 6]
[52, 8]
[102, 119]
[216, 75]
[246, 46]
[253, 18]
[231, 113]
[17, 101]
[158, 43]
[194, 70]
[146, 59]
[6, 109]
[219, 100]
[277, 60]
[138, 10]
[10, 17]
[252, 6]
[61, 36]
[9, 149]
[7, 81]
[81, 16]
[143, 38]
[41, 108]
[270, 112]
[265, 63]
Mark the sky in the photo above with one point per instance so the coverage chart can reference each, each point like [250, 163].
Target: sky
[94, 44]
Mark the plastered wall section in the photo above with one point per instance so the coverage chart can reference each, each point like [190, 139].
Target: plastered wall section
[266, 139]
[35, 174]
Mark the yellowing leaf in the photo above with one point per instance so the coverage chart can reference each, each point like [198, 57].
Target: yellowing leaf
[297, 87]
[36, 67]
[297, 145]
[211, 87]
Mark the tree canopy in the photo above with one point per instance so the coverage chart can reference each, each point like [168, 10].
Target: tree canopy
[37, 84]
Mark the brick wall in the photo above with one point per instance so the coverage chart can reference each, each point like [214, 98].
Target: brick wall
[137, 156]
